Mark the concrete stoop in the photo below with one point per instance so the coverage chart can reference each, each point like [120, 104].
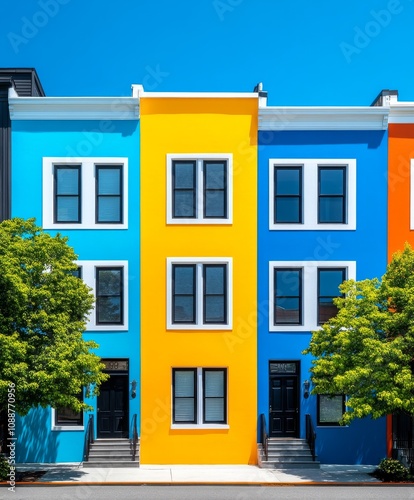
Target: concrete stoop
[112, 453]
[285, 454]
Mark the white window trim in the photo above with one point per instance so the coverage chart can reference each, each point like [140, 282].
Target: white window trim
[199, 158]
[64, 428]
[310, 193]
[412, 194]
[89, 277]
[88, 194]
[199, 312]
[199, 396]
[309, 291]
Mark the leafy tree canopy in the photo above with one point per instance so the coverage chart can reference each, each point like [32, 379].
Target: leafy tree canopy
[367, 350]
[43, 312]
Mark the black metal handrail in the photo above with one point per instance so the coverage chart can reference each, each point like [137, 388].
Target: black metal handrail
[89, 438]
[134, 436]
[310, 435]
[264, 436]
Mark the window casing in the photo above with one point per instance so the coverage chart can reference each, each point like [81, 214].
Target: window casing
[199, 294]
[109, 283]
[330, 409]
[199, 397]
[85, 193]
[312, 194]
[199, 189]
[301, 293]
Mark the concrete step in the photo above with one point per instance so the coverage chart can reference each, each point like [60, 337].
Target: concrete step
[106, 463]
[290, 465]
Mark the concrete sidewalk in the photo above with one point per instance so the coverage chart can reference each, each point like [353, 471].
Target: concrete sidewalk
[200, 474]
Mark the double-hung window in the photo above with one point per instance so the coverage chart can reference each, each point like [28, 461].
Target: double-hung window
[302, 293]
[109, 283]
[308, 194]
[85, 193]
[199, 396]
[330, 409]
[199, 293]
[199, 189]
[64, 418]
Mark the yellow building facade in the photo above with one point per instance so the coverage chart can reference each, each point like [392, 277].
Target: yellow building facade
[198, 212]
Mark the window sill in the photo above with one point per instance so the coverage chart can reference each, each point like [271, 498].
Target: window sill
[198, 222]
[312, 227]
[68, 428]
[199, 427]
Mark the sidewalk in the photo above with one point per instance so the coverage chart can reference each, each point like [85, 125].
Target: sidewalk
[200, 474]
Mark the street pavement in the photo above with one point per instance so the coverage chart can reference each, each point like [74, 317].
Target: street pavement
[201, 474]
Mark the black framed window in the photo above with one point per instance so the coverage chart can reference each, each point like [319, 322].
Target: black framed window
[329, 280]
[109, 194]
[109, 295]
[332, 195]
[215, 293]
[288, 296]
[77, 272]
[288, 195]
[67, 417]
[67, 188]
[184, 293]
[215, 189]
[184, 395]
[214, 396]
[184, 189]
[330, 409]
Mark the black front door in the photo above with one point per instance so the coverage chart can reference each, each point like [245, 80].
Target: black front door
[113, 408]
[284, 406]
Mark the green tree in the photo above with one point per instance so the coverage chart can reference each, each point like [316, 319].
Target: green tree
[43, 312]
[367, 350]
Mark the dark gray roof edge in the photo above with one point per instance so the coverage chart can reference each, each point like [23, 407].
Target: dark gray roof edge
[4, 72]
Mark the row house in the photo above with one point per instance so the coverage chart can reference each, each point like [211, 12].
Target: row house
[214, 231]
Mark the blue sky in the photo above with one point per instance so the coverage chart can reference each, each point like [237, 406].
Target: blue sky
[321, 52]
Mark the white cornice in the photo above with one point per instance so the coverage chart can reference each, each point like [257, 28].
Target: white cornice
[74, 108]
[201, 95]
[323, 118]
[402, 112]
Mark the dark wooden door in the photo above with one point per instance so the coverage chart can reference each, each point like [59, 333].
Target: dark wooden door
[113, 408]
[284, 406]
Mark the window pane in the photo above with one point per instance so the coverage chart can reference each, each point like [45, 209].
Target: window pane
[184, 204]
[184, 410]
[184, 309]
[184, 277]
[287, 310]
[67, 181]
[67, 208]
[288, 282]
[109, 281]
[184, 175]
[329, 281]
[214, 279]
[287, 181]
[109, 310]
[287, 210]
[215, 204]
[184, 383]
[109, 181]
[331, 210]
[214, 309]
[214, 410]
[330, 409]
[213, 383]
[109, 209]
[331, 181]
[215, 175]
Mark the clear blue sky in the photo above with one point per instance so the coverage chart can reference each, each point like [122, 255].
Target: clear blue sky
[320, 52]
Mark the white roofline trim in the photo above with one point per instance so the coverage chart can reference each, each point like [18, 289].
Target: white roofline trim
[201, 95]
[402, 112]
[323, 118]
[74, 108]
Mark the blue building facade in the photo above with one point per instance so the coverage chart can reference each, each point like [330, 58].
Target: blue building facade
[322, 208]
[76, 170]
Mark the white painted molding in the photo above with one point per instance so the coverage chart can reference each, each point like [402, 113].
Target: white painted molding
[74, 108]
[279, 118]
[402, 112]
[202, 95]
